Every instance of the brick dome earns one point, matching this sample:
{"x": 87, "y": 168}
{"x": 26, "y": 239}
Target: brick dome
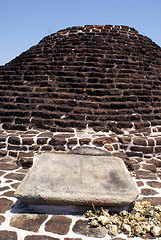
{"x": 105, "y": 76}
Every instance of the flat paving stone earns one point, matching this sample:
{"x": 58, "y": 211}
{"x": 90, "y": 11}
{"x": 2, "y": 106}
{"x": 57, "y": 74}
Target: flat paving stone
{"x": 29, "y": 222}
{"x": 58, "y": 224}
{"x": 82, "y": 227}
{"x": 5, "y": 205}
{"x": 78, "y": 179}
{"x": 8, "y": 235}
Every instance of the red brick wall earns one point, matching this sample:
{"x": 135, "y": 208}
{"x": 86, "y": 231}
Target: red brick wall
{"x": 105, "y": 76}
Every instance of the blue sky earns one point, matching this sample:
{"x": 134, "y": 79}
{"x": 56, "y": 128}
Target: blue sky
{"x": 23, "y": 23}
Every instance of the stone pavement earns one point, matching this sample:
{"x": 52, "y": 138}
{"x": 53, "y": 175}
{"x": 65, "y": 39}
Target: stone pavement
{"x": 18, "y": 222}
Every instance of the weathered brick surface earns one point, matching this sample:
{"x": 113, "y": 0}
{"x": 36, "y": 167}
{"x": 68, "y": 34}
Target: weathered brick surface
{"x": 82, "y": 227}
{"x": 81, "y": 76}
{"x": 28, "y": 222}
{"x": 148, "y": 191}
{"x": 27, "y": 141}
{"x": 58, "y": 224}
{"x": 14, "y": 140}
{"x": 154, "y": 184}
{"x": 5, "y": 204}
{"x": 140, "y": 174}
{"x": 6, "y": 235}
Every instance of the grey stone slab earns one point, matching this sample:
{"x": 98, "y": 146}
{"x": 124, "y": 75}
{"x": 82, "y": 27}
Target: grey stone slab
{"x": 77, "y": 179}
{"x": 92, "y": 151}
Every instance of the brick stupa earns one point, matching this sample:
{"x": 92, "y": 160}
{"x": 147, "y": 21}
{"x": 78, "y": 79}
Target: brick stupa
{"x": 105, "y": 76}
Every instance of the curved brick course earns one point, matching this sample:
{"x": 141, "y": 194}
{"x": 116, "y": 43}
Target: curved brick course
{"x": 104, "y": 76}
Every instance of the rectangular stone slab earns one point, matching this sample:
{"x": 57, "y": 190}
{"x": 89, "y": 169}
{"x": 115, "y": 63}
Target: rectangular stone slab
{"x": 77, "y": 179}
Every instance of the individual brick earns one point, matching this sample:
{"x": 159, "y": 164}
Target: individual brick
{"x": 58, "y": 224}
{"x": 57, "y": 141}
{"x": 72, "y": 141}
{"x": 8, "y": 194}
{"x": 6, "y": 235}
{"x": 14, "y": 140}
{"x": 141, "y": 174}
{"x": 148, "y": 191}
{"x": 41, "y": 141}
{"x": 144, "y": 150}
{"x": 153, "y": 200}
{"x": 150, "y": 142}
{"x": 154, "y": 184}
{"x": 8, "y": 166}
{"x": 140, "y": 184}
{"x": 150, "y": 166}
{"x": 158, "y": 141}
{"x": 124, "y": 140}
{"x": 27, "y": 221}
{"x": 16, "y": 147}
{"x": 103, "y": 140}
{"x": 108, "y": 147}
{"x": 25, "y": 162}
{"x": 59, "y": 148}
{"x": 84, "y": 141}
{"x": 5, "y": 204}
{"x": 3, "y": 153}
{"x": 3, "y": 138}
{"x": 122, "y": 155}
{"x": 34, "y": 148}
{"x": 158, "y": 149}
{"x": 26, "y": 154}
{"x": 13, "y": 153}
{"x": 16, "y": 176}
{"x": 2, "y": 145}
{"x": 27, "y": 141}
{"x": 82, "y": 227}
{"x": 134, "y": 154}
{"x": 116, "y": 146}
{"x": 46, "y": 148}
{"x": 139, "y": 141}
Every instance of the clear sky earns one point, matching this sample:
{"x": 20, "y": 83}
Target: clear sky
{"x": 23, "y": 23}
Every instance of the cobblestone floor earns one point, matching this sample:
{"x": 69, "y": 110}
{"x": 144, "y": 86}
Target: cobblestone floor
{"x": 22, "y": 223}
